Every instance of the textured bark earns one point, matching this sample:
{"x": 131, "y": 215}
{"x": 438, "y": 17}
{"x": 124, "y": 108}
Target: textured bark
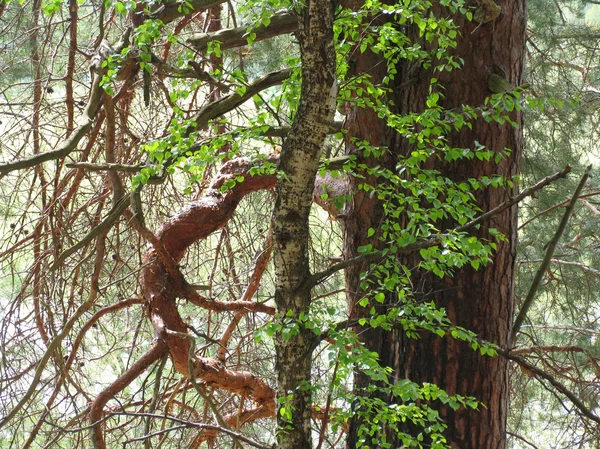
{"x": 160, "y": 289}
{"x": 162, "y": 284}
{"x": 478, "y": 300}
{"x": 298, "y": 166}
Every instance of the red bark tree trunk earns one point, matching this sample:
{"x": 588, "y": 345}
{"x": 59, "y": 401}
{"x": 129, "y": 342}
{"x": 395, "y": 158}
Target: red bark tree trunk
{"x": 482, "y": 300}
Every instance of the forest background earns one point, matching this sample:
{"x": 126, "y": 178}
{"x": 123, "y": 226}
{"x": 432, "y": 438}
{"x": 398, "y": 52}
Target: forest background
{"x": 166, "y": 283}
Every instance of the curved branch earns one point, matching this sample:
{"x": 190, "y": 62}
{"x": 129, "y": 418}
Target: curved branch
{"x": 158, "y": 349}
{"x": 196, "y": 222}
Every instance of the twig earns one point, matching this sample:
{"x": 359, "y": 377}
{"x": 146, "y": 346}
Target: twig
{"x": 111, "y": 218}
{"x": 155, "y": 397}
{"x": 522, "y": 439}
{"x": 70, "y": 143}
{"x": 192, "y": 371}
{"x": 158, "y": 349}
{"x": 197, "y": 425}
{"x": 128, "y": 168}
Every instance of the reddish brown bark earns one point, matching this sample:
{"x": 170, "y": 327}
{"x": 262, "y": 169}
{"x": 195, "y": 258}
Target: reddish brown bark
{"x": 478, "y": 300}
{"x": 197, "y": 221}
{"x": 97, "y": 407}
{"x": 162, "y": 283}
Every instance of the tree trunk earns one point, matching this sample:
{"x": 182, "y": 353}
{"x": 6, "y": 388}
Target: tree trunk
{"x": 298, "y": 166}
{"x": 482, "y": 300}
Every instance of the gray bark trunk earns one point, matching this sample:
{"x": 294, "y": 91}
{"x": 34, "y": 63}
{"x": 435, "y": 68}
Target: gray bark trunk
{"x": 298, "y": 166}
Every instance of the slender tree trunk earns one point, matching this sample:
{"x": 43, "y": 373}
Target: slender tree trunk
{"x": 478, "y": 300}
{"x": 298, "y": 167}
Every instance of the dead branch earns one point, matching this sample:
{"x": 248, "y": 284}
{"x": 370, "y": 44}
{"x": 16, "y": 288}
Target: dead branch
{"x": 158, "y": 349}
{"x": 127, "y": 168}
{"x": 69, "y": 144}
{"x": 259, "y": 268}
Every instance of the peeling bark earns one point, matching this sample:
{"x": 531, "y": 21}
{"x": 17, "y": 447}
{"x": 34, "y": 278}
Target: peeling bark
{"x": 160, "y": 290}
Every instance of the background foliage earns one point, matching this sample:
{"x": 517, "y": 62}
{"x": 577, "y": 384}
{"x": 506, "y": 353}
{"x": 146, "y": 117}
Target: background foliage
{"x": 171, "y": 145}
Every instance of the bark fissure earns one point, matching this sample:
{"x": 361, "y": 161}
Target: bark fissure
{"x": 478, "y": 300}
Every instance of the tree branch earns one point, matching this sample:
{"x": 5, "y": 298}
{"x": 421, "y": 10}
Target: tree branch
{"x": 437, "y": 239}
{"x": 555, "y": 383}
{"x": 551, "y": 246}
{"x": 110, "y": 219}
{"x": 173, "y": 9}
{"x": 128, "y": 168}
{"x": 69, "y": 144}
{"x": 233, "y": 100}
{"x": 158, "y": 349}
{"x": 282, "y": 22}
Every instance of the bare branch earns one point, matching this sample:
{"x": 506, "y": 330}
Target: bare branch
{"x": 70, "y": 144}
{"x": 537, "y": 280}
{"x": 108, "y": 166}
{"x": 555, "y": 383}
{"x": 281, "y": 23}
{"x": 436, "y": 240}
{"x": 158, "y": 349}
{"x": 232, "y": 101}
{"x": 110, "y": 219}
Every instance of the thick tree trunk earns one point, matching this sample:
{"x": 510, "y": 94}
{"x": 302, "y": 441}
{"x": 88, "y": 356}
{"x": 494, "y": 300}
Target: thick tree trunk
{"x": 478, "y": 300}
{"x": 298, "y": 166}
